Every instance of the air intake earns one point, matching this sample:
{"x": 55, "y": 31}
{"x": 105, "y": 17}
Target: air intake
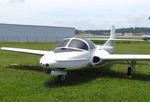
{"x": 96, "y": 59}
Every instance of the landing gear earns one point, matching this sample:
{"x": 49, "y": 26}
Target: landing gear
{"x": 61, "y": 74}
{"x": 130, "y": 72}
{"x": 61, "y": 77}
{"x": 131, "y": 69}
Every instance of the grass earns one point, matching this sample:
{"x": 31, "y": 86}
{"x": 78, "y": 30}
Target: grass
{"x": 27, "y": 83}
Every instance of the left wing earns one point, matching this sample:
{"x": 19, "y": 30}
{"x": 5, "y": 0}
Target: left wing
{"x": 30, "y": 51}
{"x": 124, "y": 57}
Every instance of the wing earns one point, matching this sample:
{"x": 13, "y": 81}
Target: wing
{"x": 30, "y": 51}
{"x": 123, "y": 57}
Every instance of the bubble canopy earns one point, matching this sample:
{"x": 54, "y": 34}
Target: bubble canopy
{"x": 76, "y": 44}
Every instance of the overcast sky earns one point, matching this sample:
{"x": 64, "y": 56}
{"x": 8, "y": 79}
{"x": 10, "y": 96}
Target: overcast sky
{"x": 81, "y": 14}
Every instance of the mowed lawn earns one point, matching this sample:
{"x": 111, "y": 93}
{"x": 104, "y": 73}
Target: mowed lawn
{"x": 28, "y": 82}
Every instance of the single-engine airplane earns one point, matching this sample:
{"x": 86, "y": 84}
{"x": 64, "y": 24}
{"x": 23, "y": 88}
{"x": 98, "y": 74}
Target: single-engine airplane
{"x": 77, "y": 53}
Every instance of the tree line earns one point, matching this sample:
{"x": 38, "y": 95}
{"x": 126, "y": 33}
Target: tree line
{"x": 120, "y": 30}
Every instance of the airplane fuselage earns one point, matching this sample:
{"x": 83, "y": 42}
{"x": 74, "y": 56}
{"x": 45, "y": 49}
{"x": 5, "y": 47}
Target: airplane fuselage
{"x": 66, "y": 60}
{"x": 74, "y": 60}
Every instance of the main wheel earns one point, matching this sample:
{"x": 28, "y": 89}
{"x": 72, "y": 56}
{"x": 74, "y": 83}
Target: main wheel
{"x": 129, "y": 72}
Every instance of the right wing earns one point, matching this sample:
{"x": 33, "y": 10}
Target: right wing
{"x": 29, "y": 51}
{"x": 125, "y": 57}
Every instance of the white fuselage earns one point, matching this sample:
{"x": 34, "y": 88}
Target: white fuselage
{"x": 73, "y": 60}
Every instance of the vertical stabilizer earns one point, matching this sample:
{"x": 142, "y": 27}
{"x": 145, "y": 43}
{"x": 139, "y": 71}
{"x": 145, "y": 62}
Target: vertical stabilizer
{"x": 111, "y": 40}
{"x": 112, "y": 33}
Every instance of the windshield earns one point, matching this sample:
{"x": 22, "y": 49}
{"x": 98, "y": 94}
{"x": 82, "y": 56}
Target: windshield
{"x": 75, "y": 43}
{"x": 60, "y": 50}
{"x": 63, "y": 43}
{"x": 91, "y": 44}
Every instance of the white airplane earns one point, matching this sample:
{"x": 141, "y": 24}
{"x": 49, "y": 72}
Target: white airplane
{"x": 145, "y": 37}
{"x": 76, "y": 53}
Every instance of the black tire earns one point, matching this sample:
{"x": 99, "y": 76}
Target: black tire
{"x": 129, "y": 72}
{"x": 62, "y": 77}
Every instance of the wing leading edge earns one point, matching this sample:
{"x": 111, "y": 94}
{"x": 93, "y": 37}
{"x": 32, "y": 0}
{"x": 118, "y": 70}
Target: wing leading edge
{"x": 29, "y": 51}
{"x": 125, "y": 57}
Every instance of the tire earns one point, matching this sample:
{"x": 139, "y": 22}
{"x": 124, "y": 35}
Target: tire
{"x": 129, "y": 72}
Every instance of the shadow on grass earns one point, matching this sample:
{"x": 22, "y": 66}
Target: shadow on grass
{"x": 83, "y": 75}
{"x": 86, "y": 75}
{"x": 25, "y": 67}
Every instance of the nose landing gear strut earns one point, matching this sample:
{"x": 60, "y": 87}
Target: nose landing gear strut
{"x": 61, "y": 77}
{"x": 61, "y": 74}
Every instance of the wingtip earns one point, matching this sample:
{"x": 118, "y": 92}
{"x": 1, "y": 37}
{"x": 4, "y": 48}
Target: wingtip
{"x": 2, "y": 48}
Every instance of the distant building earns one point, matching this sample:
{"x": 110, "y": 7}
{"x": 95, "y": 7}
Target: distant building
{"x": 124, "y": 34}
{"x": 33, "y": 33}
{"x": 119, "y": 34}
{"x": 128, "y": 34}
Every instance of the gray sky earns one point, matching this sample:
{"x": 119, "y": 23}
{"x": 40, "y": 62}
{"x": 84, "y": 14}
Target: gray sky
{"x": 81, "y": 14}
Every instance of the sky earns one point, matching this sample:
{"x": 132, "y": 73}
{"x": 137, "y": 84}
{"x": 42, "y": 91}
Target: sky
{"x": 81, "y": 14}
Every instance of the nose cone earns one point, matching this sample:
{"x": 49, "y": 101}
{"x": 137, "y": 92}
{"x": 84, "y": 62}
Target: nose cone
{"x": 47, "y": 63}
{"x": 48, "y": 60}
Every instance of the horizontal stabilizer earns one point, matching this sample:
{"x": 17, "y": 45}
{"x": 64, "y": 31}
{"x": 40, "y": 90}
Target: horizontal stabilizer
{"x": 115, "y": 39}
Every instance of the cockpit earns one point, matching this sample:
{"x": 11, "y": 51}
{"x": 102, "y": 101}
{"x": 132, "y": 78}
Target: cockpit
{"x": 74, "y": 44}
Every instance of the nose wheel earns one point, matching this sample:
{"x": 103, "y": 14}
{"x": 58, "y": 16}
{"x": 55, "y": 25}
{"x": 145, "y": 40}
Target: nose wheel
{"x": 62, "y": 77}
{"x": 61, "y": 74}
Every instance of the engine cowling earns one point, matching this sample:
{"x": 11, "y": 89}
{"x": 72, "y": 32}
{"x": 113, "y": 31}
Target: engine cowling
{"x": 96, "y": 60}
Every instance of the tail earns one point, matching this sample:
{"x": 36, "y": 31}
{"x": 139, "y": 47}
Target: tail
{"x": 111, "y": 40}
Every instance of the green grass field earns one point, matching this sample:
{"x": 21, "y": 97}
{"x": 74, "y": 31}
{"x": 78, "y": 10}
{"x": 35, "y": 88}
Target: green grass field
{"x": 28, "y": 83}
